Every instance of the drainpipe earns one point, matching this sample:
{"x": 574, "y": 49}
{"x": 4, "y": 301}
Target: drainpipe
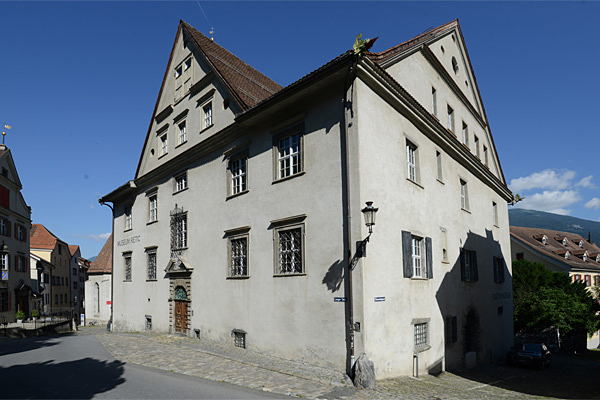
{"x": 112, "y": 269}
{"x": 350, "y": 76}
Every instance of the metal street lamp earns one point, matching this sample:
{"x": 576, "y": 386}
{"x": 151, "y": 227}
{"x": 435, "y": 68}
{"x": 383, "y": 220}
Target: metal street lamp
{"x": 369, "y": 213}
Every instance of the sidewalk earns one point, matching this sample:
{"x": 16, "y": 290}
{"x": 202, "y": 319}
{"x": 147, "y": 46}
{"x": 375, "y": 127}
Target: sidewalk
{"x": 210, "y": 360}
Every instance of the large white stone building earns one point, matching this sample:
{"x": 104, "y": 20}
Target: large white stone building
{"x": 245, "y": 209}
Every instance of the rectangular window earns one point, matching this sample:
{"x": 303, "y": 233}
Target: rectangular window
{"x": 127, "y": 267}
{"x": 417, "y": 250}
{"x": 182, "y": 134}
{"x": 179, "y": 231}
{"x": 434, "y": 101}
{"x": 239, "y": 338}
{"x": 495, "y": 213}
{"x": 187, "y": 75}
{"x": 21, "y": 266}
{"x": 208, "y": 117}
{"x": 451, "y": 329}
{"x": 237, "y": 172}
{"x": 183, "y": 78}
{"x": 238, "y": 256}
{"x": 20, "y": 234}
{"x": 438, "y": 161}
{"x": 596, "y": 280}
{"x": 4, "y": 227}
{"x": 163, "y": 145}
{"x": 289, "y": 248}
{"x": 178, "y": 82}
{"x": 420, "y": 331}
{"x": 55, "y": 299}
{"x": 4, "y": 303}
{"x": 577, "y": 278}
{"x": 451, "y": 119}
{"x": 417, "y": 256}
{"x": 412, "y": 162}
{"x": 464, "y": 195}
{"x": 498, "y": 269}
{"x": 476, "y": 140}
{"x": 4, "y": 262}
{"x": 465, "y": 134}
{"x": 128, "y": 220}
{"x": 148, "y": 326}
{"x": 289, "y": 160}
{"x": 181, "y": 182}
{"x": 520, "y": 256}
{"x": 588, "y": 280}
{"x": 468, "y": 266}
{"x": 153, "y": 208}
{"x": 485, "y": 156}
{"x": 151, "y": 259}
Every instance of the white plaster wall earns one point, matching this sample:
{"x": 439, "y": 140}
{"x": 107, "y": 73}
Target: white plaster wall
{"x": 423, "y": 209}
{"x": 291, "y": 316}
{"x": 101, "y": 315}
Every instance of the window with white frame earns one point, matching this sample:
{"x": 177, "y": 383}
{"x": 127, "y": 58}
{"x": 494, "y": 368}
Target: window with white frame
{"x": 289, "y": 247}
{"x": 151, "y": 266}
{"x": 183, "y": 78}
{"x": 289, "y": 155}
{"x": 465, "y": 134}
{"x": 127, "y": 267}
{"x": 237, "y": 175}
{"x": 412, "y": 161}
{"x": 4, "y": 262}
{"x": 182, "y": 132}
{"x": 417, "y": 256}
{"x": 153, "y": 207}
{"x": 207, "y": 114}
{"x": 187, "y": 75}
{"x": 238, "y": 255}
{"x": 164, "y": 145}
{"x": 4, "y": 227}
{"x": 450, "y": 119}
{"x": 434, "y": 101}
{"x": 181, "y": 182}
{"x": 438, "y": 161}
{"x": 464, "y": 195}
{"x": 468, "y": 264}
{"x": 495, "y": 213}
{"x": 128, "y": 218}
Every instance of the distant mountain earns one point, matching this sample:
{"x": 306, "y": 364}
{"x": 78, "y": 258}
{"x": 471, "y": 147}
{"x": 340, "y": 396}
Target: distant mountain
{"x": 555, "y": 222}
{"x": 92, "y": 259}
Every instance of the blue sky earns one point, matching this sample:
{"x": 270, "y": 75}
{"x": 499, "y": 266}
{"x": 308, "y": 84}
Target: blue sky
{"x": 78, "y": 83}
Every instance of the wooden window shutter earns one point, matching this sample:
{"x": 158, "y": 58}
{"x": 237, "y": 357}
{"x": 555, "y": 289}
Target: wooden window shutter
{"x": 24, "y": 234}
{"x": 429, "y": 257}
{"x": 502, "y": 268}
{"x": 407, "y": 254}
{"x": 463, "y": 275}
{"x": 474, "y": 266}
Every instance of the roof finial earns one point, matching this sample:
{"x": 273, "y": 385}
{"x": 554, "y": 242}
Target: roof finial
{"x": 4, "y": 133}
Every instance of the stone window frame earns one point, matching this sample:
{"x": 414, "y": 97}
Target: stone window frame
{"x": 242, "y": 158}
{"x": 152, "y": 196}
{"x": 278, "y": 137}
{"x": 151, "y": 252}
{"x": 127, "y": 275}
{"x": 128, "y": 217}
{"x": 182, "y": 78}
{"x": 464, "y": 195}
{"x": 176, "y": 182}
{"x": 418, "y": 325}
{"x": 242, "y": 233}
{"x": 286, "y": 225}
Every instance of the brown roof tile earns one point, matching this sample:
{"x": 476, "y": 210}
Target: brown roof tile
{"x": 103, "y": 262}
{"x": 41, "y": 238}
{"x": 246, "y": 83}
{"x": 73, "y": 249}
{"x": 531, "y": 237}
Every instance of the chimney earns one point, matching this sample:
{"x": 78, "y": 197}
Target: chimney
{"x": 590, "y": 238}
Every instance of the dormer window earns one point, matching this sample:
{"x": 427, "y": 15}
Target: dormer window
{"x": 564, "y": 242}
{"x": 544, "y": 240}
{"x": 598, "y": 258}
{"x": 581, "y": 243}
{"x": 567, "y": 255}
{"x": 585, "y": 256}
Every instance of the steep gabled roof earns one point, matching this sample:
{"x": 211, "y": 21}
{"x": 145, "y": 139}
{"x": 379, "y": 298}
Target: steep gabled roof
{"x": 103, "y": 262}
{"x": 41, "y": 238}
{"x": 73, "y": 249}
{"x": 249, "y": 86}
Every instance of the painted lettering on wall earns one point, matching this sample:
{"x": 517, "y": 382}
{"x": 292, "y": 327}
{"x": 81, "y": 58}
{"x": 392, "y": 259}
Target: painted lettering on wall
{"x": 126, "y": 241}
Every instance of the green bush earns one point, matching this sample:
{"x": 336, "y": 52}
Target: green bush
{"x": 35, "y": 314}
{"x": 19, "y": 315}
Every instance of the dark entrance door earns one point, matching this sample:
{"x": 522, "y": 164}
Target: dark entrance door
{"x": 181, "y": 308}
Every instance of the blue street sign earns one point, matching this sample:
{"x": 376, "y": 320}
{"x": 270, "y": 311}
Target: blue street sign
{"x": 379, "y": 299}
{"x": 339, "y": 299}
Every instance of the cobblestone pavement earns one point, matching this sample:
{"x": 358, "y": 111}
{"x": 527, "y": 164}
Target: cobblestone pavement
{"x": 210, "y": 360}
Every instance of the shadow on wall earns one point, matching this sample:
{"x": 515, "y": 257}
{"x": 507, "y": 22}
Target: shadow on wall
{"x": 81, "y": 379}
{"x": 334, "y": 278}
{"x": 471, "y": 289}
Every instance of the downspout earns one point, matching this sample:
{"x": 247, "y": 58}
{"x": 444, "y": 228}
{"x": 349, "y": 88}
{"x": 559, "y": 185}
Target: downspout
{"x": 350, "y": 77}
{"x": 112, "y": 267}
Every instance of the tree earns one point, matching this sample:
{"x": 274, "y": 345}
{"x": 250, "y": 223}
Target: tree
{"x": 544, "y": 299}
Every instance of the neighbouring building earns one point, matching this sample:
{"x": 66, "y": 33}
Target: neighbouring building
{"x": 98, "y": 286}
{"x": 78, "y": 268}
{"x": 246, "y": 205}
{"x": 48, "y": 247}
{"x": 559, "y": 252}
{"x": 15, "y": 222}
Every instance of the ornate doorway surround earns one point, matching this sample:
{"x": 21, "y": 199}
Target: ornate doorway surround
{"x": 180, "y": 290}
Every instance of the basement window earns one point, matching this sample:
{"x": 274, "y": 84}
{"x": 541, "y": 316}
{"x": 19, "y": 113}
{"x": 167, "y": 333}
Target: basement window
{"x": 148, "y": 322}
{"x": 239, "y": 338}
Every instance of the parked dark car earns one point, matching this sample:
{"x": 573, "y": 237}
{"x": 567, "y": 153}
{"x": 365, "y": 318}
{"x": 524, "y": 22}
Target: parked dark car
{"x": 531, "y": 354}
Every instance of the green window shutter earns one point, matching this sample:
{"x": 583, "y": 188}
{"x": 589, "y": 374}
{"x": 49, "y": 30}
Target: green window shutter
{"x": 407, "y": 254}
{"x": 429, "y": 257}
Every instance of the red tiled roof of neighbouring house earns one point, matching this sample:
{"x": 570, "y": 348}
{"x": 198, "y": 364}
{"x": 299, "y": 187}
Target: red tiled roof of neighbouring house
{"x": 103, "y": 262}
{"x": 41, "y": 238}
{"x": 73, "y": 249}
{"x": 554, "y": 247}
{"x": 248, "y": 85}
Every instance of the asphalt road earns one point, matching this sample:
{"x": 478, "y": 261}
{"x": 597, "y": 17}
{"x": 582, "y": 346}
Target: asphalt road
{"x": 69, "y": 366}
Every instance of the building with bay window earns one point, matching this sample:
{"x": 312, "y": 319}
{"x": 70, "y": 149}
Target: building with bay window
{"x": 245, "y": 209}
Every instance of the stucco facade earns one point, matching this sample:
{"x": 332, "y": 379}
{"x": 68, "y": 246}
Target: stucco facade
{"x": 98, "y": 286}
{"x": 253, "y": 247}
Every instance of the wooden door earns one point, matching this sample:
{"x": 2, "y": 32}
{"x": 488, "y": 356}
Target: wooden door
{"x": 180, "y": 316}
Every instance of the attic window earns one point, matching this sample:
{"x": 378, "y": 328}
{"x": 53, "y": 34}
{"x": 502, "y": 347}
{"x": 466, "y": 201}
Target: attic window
{"x": 454, "y": 38}
{"x": 544, "y": 240}
{"x": 4, "y": 172}
{"x": 225, "y": 104}
{"x": 585, "y": 257}
{"x": 564, "y": 242}
{"x": 581, "y": 243}
{"x": 598, "y": 258}
{"x": 454, "y": 65}
{"x": 567, "y": 255}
